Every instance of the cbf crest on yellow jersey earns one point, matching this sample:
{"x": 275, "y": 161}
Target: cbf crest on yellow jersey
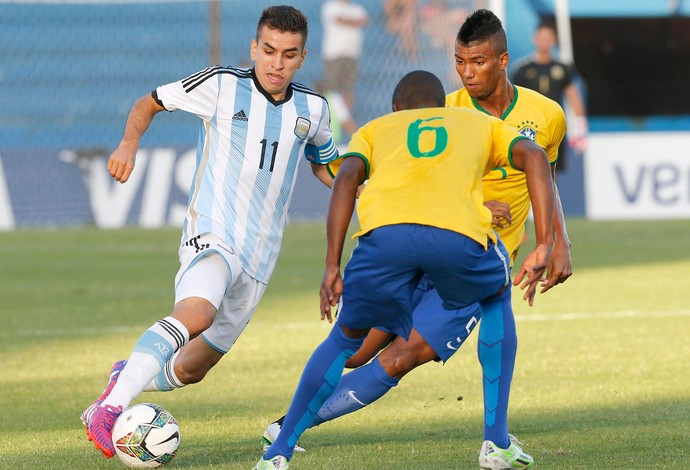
{"x": 425, "y": 167}
{"x": 536, "y": 117}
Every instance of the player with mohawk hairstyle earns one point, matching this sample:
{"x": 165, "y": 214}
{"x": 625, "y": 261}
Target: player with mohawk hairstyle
{"x": 481, "y": 61}
{"x": 421, "y": 216}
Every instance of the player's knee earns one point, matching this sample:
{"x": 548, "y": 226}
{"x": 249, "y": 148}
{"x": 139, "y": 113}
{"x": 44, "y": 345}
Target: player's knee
{"x": 401, "y": 357}
{"x": 398, "y": 362}
{"x": 196, "y": 314}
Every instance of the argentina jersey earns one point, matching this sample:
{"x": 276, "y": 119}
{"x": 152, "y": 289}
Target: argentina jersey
{"x": 248, "y": 155}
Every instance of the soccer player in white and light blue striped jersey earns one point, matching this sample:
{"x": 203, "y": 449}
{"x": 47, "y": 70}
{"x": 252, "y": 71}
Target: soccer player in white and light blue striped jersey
{"x": 256, "y": 125}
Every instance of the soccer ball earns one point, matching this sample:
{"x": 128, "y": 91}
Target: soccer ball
{"x": 146, "y": 436}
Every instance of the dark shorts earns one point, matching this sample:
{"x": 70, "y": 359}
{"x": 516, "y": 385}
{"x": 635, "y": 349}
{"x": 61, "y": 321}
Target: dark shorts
{"x": 388, "y": 263}
{"x": 340, "y": 74}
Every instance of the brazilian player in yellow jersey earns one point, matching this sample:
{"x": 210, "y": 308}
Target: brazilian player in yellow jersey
{"x": 418, "y": 162}
{"x": 424, "y": 189}
{"x": 481, "y": 60}
{"x": 534, "y": 116}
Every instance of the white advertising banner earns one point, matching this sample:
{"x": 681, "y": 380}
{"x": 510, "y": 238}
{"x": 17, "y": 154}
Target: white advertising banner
{"x": 642, "y": 175}
{"x": 6, "y": 214}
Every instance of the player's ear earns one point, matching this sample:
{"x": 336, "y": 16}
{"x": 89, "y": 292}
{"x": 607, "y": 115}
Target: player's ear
{"x": 303, "y": 56}
{"x": 253, "y": 49}
{"x": 503, "y": 60}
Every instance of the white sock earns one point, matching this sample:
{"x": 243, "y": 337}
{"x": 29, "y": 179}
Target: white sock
{"x": 151, "y": 352}
{"x": 166, "y": 379}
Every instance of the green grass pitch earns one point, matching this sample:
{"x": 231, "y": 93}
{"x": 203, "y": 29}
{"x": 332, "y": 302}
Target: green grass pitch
{"x": 602, "y": 379}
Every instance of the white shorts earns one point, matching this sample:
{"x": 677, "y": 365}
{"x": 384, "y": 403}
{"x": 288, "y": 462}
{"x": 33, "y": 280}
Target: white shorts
{"x": 211, "y": 270}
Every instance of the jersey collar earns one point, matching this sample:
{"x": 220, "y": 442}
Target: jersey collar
{"x": 508, "y": 109}
{"x": 267, "y": 95}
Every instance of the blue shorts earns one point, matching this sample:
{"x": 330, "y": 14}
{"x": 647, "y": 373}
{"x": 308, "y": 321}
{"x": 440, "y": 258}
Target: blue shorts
{"x": 388, "y": 263}
{"x": 445, "y": 330}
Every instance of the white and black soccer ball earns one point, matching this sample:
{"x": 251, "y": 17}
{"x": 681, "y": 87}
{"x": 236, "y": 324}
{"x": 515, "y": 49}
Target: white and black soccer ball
{"x": 146, "y": 436}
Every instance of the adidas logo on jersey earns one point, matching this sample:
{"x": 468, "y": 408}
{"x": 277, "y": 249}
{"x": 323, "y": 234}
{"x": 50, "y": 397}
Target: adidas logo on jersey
{"x": 240, "y": 116}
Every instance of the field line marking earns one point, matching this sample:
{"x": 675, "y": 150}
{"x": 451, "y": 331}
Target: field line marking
{"x": 602, "y": 315}
{"x": 77, "y": 331}
{"x": 299, "y": 325}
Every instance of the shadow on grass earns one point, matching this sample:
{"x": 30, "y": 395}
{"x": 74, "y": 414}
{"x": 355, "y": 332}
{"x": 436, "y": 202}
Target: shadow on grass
{"x": 645, "y": 435}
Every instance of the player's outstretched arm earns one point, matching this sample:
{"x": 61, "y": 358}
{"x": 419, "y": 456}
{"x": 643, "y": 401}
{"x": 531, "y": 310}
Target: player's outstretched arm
{"x": 351, "y": 174}
{"x": 560, "y": 266}
{"x": 121, "y": 161}
{"x": 532, "y": 159}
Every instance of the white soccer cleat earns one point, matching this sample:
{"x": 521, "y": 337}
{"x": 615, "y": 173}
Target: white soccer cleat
{"x": 276, "y": 463}
{"x": 492, "y": 457}
{"x": 271, "y": 434}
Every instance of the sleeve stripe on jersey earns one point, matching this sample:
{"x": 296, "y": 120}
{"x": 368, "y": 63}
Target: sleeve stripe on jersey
{"x": 198, "y": 78}
{"x": 327, "y": 152}
{"x": 510, "y": 149}
{"x": 194, "y": 76}
{"x": 364, "y": 159}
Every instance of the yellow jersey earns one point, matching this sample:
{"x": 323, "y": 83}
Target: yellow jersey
{"x": 425, "y": 166}
{"x": 541, "y": 120}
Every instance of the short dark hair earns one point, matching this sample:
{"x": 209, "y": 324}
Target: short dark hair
{"x": 284, "y": 18}
{"x": 419, "y": 89}
{"x": 547, "y": 24}
{"x": 481, "y": 26}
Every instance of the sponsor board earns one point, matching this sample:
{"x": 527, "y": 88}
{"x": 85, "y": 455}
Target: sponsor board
{"x": 54, "y": 188}
{"x": 637, "y": 176}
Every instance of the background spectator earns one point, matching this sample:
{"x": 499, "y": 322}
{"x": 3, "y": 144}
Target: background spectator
{"x": 401, "y": 20}
{"x": 440, "y": 20}
{"x": 343, "y": 23}
{"x": 542, "y": 72}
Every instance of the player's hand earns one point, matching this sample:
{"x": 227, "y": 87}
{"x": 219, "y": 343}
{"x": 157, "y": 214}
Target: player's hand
{"x": 360, "y": 188}
{"x": 560, "y": 267}
{"x": 500, "y": 213}
{"x": 121, "y": 163}
{"x": 533, "y": 267}
{"x": 331, "y": 290}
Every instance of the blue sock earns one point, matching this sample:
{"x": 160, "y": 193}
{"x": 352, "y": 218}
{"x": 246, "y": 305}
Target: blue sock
{"x": 356, "y": 390}
{"x": 497, "y": 349}
{"x": 320, "y": 377}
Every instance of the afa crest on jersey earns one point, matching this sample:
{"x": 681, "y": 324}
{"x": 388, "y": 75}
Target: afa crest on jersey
{"x": 528, "y": 129}
{"x": 302, "y": 126}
